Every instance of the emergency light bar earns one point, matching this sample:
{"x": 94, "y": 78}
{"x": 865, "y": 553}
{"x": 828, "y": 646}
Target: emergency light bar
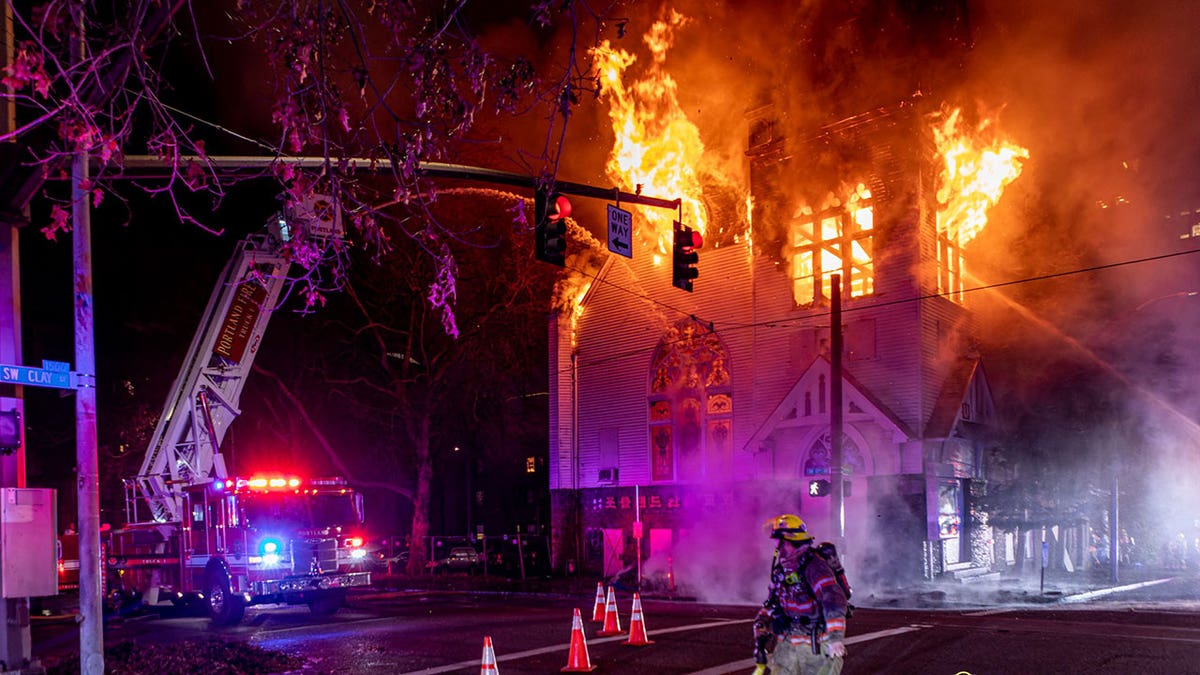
{"x": 274, "y": 483}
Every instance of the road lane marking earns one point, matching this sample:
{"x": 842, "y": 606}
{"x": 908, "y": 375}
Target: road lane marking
{"x": 748, "y": 664}
{"x": 558, "y": 648}
{"x": 1083, "y": 597}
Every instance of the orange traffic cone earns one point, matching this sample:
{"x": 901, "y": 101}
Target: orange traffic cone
{"x": 612, "y": 622}
{"x": 598, "y": 610}
{"x": 488, "y": 667}
{"x": 577, "y": 660}
{"x": 637, "y": 625}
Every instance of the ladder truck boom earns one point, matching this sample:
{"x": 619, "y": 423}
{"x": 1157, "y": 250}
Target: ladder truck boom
{"x": 193, "y": 532}
{"x": 204, "y": 399}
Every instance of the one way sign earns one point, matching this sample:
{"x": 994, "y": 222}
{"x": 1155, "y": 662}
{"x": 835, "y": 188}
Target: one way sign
{"x": 620, "y": 231}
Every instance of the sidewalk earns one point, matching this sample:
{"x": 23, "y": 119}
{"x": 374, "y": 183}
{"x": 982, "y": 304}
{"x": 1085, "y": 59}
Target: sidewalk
{"x": 1028, "y": 589}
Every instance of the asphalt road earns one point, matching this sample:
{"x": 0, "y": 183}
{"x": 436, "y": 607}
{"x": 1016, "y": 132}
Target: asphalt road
{"x": 1151, "y": 630}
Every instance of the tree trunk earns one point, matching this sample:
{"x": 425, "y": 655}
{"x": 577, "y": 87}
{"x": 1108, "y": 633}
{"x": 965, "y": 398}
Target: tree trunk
{"x": 420, "y": 518}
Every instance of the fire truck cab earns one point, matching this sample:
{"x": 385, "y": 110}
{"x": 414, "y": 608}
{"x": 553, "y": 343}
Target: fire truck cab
{"x": 248, "y": 541}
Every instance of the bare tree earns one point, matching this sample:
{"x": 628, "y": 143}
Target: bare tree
{"x": 367, "y": 88}
{"x": 382, "y": 365}
{"x": 366, "y": 91}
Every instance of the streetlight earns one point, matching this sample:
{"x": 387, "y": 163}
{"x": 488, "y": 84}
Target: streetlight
{"x": 467, "y": 471}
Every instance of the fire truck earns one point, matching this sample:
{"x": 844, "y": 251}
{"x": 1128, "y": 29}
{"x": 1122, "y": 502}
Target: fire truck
{"x": 194, "y": 533}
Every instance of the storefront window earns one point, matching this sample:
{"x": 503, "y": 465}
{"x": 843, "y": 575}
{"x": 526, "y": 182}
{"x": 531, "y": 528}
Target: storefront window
{"x": 949, "y": 510}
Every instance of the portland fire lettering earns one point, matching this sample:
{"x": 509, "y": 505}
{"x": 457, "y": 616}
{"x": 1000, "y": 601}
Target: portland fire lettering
{"x": 239, "y": 321}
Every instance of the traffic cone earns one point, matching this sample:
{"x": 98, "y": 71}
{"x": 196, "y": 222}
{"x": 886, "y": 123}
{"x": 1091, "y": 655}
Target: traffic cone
{"x": 598, "y": 610}
{"x": 577, "y": 660}
{"x": 488, "y": 666}
{"x": 637, "y": 625}
{"x": 612, "y": 622}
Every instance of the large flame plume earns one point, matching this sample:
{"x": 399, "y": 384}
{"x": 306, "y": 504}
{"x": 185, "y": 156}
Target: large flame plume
{"x": 977, "y": 164}
{"x": 656, "y": 148}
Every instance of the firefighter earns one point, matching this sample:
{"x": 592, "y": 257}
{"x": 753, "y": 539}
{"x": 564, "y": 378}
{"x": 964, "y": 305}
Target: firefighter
{"x": 805, "y": 611}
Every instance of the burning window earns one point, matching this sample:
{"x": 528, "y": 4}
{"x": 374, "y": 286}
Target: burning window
{"x": 950, "y": 264}
{"x": 976, "y": 165}
{"x": 836, "y": 240}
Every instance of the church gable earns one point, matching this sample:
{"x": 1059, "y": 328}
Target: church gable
{"x": 807, "y": 404}
{"x": 965, "y": 402}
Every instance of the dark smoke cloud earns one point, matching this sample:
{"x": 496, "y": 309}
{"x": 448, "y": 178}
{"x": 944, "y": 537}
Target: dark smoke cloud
{"x": 1102, "y": 93}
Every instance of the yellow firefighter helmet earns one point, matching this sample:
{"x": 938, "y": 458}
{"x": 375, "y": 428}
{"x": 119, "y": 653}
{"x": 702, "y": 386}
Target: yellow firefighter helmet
{"x": 789, "y": 526}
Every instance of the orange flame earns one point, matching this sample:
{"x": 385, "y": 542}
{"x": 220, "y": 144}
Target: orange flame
{"x": 656, "y": 147}
{"x": 977, "y": 167}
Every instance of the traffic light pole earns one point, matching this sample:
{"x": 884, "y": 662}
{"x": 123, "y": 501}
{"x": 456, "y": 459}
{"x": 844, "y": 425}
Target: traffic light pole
{"x": 146, "y": 166}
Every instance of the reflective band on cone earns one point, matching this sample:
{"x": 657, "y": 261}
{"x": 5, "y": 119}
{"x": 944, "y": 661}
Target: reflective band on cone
{"x": 598, "y": 609}
{"x": 612, "y": 622}
{"x": 577, "y": 660}
{"x": 488, "y": 666}
{"x": 637, "y": 625}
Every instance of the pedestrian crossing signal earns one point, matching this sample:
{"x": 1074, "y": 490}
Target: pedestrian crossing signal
{"x": 822, "y": 488}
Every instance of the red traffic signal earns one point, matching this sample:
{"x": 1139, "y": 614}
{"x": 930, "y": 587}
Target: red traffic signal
{"x": 550, "y": 228}
{"x": 684, "y": 257}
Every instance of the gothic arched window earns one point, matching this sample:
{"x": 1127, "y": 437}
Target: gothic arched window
{"x": 691, "y": 405}
{"x": 816, "y": 462}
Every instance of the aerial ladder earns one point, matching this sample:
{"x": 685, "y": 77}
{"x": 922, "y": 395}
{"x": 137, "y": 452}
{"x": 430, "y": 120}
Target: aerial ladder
{"x": 204, "y": 399}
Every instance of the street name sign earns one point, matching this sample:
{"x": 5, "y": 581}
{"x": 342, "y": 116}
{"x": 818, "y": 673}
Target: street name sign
{"x": 620, "y": 231}
{"x": 54, "y": 374}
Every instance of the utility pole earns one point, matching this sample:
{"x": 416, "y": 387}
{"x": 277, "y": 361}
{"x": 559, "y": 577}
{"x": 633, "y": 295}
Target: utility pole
{"x": 837, "y": 505}
{"x": 87, "y": 461}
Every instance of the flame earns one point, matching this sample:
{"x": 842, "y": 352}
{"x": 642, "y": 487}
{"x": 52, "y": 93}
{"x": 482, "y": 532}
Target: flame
{"x": 977, "y": 167}
{"x": 656, "y": 147}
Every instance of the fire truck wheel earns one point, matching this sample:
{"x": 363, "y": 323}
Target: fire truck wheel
{"x": 224, "y": 608}
{"x": 327, "y": 604}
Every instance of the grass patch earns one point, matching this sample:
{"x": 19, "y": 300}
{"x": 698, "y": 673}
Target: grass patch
{"x": 208, "y": 657}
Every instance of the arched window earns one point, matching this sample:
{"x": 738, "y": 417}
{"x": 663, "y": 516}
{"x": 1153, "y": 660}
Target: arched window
{"x": 816, "y": 462}
{"x": 691, "y": 405}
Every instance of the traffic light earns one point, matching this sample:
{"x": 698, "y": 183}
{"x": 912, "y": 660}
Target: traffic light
{"x": 550, "y": 211}
{"x": 684, "y": 257}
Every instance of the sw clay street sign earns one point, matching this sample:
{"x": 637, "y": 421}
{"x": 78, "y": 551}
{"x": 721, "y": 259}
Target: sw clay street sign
{"x": 54, "y": 374}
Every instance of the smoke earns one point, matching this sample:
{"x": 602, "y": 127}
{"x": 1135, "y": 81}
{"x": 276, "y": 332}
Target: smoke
{"x": 1099, "y": 92}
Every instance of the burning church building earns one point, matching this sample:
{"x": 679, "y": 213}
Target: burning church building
{"x": 680, "y": 421}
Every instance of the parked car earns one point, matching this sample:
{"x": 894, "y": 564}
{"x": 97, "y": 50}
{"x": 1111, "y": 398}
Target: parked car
{"x": 461, "y": 559}
{"x": 384, "y": 562}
